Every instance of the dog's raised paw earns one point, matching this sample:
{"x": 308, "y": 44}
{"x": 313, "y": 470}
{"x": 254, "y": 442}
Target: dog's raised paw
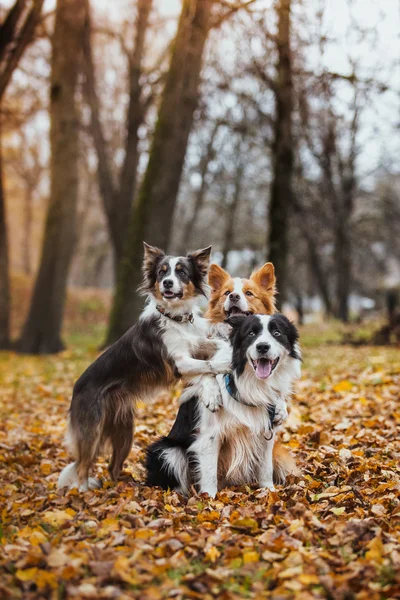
{"x": 213, "y": 404}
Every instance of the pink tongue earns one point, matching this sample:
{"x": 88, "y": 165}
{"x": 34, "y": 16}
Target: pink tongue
{"x": 263, "y": 368}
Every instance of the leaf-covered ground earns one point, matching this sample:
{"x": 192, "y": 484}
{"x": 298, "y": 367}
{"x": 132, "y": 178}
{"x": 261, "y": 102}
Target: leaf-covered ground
{"x": 334, "y": 533}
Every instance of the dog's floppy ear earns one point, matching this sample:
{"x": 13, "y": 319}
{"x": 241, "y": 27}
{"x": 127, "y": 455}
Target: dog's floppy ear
{"x": 151, "y": 254}
{"x": 265, "y": 277}
{"x": 217, "y": 277}
{"x": 201, "y": 258}
{"x": 235, "y": 321}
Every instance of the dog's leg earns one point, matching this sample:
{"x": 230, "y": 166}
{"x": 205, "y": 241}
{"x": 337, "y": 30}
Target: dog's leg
{"x": 266, "y": 470}
{"x": 85, "y": 449}
{"x": 220, "y": 363}
{"x": 206, "y": 451}
{"x": 121, "y": 441}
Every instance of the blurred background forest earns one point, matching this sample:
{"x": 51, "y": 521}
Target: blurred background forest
{"x": 267, "y": 128}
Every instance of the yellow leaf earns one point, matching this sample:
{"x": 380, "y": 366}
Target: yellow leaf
{"x": 375, "y": 550}
{"x": 208, "y": 516}
{"x": 26, "y": 574}
{"x": 250, "y": 556}
{"x": 44, "y": 579}
{"x": 124, "y": 571}
{"x": 343, "y": 386}
{"x": 306, "y": 579}
{"x": 110, "y": 525}
{"x": 144, "y": 534}
{"x": 37, "y": 538}
{"x": 58, "y": 517}
{"x": 338, "y": 511}
{"x": 46, "y": 467}
{"x": 212, "y": 554}
{"x": 246, "y": 523}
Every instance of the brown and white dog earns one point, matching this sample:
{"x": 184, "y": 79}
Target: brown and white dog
{"x": 162, "y": 346}
{"x": 232, "y": 296}
{"x": 237, "y": 296}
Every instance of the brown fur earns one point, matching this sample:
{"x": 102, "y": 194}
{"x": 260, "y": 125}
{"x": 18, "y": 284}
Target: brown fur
{"x": 262, "y": 284}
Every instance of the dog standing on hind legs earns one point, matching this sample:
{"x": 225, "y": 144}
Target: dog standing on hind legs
{"x": 159, "y": 349}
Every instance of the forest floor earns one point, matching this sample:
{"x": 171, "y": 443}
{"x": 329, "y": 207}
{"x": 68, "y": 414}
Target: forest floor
{"x": 333, "y": 533}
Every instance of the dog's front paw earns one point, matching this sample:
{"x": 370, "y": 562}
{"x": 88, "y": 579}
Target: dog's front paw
{"x": 210, "y": 394}
{"x": 267, "y": 485}
{"x": 210, "y": 490}
{"x": 213, "y": 402}
{"x": 281, "y": 414}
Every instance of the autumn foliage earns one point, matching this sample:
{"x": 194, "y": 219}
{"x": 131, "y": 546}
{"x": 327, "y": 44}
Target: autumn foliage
{"x": 334, "y": 533}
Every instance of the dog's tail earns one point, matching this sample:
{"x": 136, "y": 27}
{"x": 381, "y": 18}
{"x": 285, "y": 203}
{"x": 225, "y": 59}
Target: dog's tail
{"x": 284, "y": 464}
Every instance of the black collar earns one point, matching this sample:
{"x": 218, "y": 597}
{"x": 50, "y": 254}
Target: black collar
{"x": 187, "y": 317}
{"x": 233, "y": 392}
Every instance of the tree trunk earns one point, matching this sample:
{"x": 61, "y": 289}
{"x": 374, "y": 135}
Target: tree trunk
{"x": 343, "y": 268}
{"x": 16, "y": 33}
{"x": 27, "y": 241}
{"x": 42, "y": 330}
{"x": 118, "y": 197}
{"x": 231, "y": 217}
{"x": 315, "y": 262}
{"x": 282, "y": 153}
{"x": 153, "y": 212}
{"x": 4, "y": 275}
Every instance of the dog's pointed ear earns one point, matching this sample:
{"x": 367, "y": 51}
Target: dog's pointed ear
{"x": 151, "y": 255}
{"x": 201, "y": 258}
{"x": 217, "y": 276}
{"x": 236, "y": 321}
{"x": 265, "y": 277}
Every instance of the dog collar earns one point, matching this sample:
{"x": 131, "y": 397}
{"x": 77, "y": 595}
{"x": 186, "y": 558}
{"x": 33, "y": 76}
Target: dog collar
{"x": 233, "y": 392}
{"x": 187, "y": 317}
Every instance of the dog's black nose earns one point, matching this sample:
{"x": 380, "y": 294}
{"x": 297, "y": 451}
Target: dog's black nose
{"x": 263, "y": 348}
{"x": 234, "y": 297}
{"x": 168, "y": 284}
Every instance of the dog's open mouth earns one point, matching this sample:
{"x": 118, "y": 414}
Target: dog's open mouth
{"x": 168, "y": 295}
{"x": 264, "y": 367}
{"x": 235, "y": 310}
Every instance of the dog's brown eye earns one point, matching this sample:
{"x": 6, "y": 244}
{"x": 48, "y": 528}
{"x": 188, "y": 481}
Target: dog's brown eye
{"x": 227, "y": 293}
{"x": 251, "y": 333}
{"x": 248, "y": 293}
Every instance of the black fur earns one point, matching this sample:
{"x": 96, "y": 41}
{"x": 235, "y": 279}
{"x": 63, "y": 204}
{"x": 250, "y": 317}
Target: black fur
{"x": 288, "y": 333}
{"x": 182, "y": 435}
{"x": 245, "y": 329}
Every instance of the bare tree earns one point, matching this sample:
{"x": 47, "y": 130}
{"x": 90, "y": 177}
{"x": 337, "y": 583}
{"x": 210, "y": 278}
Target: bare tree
{"x": 42, "y": 330}
{"x": 16, "y": 33}
{"x": 232, "y": 208}
{"x": 203, "y": 170}
{"x": 283, "y": 159}
{"x": 118, "y": 197}
{"x": 152, "y": 216}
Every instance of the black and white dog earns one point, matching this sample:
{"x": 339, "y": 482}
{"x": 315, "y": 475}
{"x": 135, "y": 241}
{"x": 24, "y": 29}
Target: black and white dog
{"x": 234, "y": 445}
{"x": 169, "y": 341}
